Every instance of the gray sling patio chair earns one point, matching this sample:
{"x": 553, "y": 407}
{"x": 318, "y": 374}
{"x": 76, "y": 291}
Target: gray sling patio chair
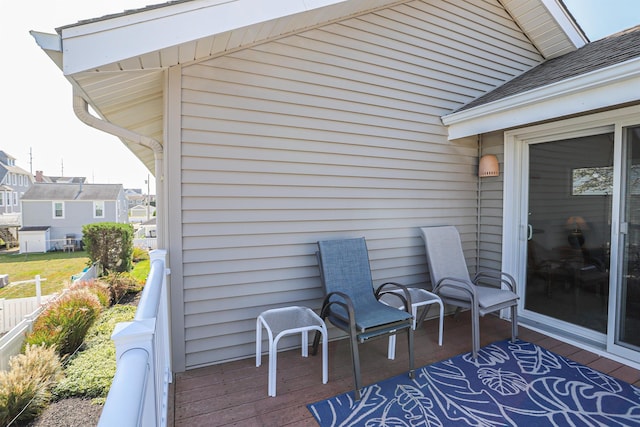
{"x": 483, "y": 294}
{"x": 351, "y": 304}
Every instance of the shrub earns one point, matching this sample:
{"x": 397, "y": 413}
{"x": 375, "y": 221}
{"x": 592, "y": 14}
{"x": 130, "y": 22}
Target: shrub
{"x": 25, "y": 389}
{"x": 102, "y": 329}
{"x": 65, "y": 321}
{"x": 96, "y": 287}
{"x": 139, "y": 254}
{"x": 90, "y": 373}
{"x": 110, "y": 244}
{"x": 122, "y": 283}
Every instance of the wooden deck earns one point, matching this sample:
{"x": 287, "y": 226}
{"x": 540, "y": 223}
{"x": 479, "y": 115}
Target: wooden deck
{"x": 235, "y": 393}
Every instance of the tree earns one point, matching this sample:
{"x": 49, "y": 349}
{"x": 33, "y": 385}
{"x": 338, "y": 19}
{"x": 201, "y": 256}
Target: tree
{"x": 110, "y": 244}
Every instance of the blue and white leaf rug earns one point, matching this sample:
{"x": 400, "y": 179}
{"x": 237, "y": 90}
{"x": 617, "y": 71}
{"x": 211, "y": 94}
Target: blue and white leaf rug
{"x": 510, "y": 384}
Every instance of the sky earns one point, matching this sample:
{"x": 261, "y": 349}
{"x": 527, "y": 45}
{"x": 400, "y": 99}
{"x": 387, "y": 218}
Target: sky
{"x": 40, "y": 129}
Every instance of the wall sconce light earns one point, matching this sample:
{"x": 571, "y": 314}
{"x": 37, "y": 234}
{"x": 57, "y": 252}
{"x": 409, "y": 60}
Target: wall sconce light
{"x": 488, "y": 166}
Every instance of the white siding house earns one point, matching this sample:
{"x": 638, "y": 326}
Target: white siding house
{"x": 270, "y": 128}
{"x": 60, "y": 211}
{"x": 14, "y": 181}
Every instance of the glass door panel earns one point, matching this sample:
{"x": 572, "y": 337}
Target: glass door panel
{"x": 570, "y": 187}
{"x": 628, "y": 300}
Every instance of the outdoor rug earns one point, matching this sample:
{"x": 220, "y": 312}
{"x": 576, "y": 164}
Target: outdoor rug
{"x": 510, "y": 384}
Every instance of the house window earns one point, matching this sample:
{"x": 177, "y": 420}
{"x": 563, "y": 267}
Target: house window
{"x": 58, "y": 209}
{"x": 15, "y": 179}
{"x": 98, "y": 209}
{"x": 15, "y": 198}
{"x": 2, "y": 198}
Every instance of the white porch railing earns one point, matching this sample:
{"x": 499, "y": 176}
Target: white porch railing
{"x": 17, "y": 317}
{"x": 140, "y": 389}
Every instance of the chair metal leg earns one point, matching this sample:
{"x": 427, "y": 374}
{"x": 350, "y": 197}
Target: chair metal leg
{"x": 514, "y": 323}
{"x": 475, "y": 330}
{"x": 355, "y": 355}
{"x": 412, "y": 372}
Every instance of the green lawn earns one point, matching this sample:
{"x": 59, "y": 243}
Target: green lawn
{"x": 56, "y": 267}
{"x": 141, "y": 269}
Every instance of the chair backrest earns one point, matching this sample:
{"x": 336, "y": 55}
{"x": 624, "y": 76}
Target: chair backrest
{"x": 344, "y": 266}
{"x": 444, "y": 253}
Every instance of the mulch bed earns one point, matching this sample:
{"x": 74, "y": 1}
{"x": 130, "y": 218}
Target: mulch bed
{"x": 76, "y": 412}
{"x": 72, "y": 412}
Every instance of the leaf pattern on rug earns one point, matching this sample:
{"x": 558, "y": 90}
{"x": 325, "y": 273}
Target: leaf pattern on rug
{"x": 511, "y": 384}
{"x": 533, "y": 359}
{"x": 453, "y": 393}
{"x": 567, "y": 401}
{"x": 488, "y": 356}
{"x": 386, "y": 420}
{"x": 598, "y": 378}
{"x": 504, "y": 382}
{"x": 416, "y": 406}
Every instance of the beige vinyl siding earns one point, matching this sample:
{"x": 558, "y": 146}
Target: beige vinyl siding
{"x": 490, "y": 201}
{"x": 331, "y": 133}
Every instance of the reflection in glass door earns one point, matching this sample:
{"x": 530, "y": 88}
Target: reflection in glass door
{"x": 569, "y": 221}
{"x": 628, "y": 301}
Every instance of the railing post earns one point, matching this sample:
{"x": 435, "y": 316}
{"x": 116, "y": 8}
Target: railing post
{"x": 143, "y": 342}
{"x": 139, "y": 335}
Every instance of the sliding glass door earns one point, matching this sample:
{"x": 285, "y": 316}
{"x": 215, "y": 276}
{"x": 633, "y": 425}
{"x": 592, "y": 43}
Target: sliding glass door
{"x": 627, "y": 300}
{"x": 568, "y": 235}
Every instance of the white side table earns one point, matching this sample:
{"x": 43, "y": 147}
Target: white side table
{"x": 286, "y": 321}
{"x": 419, "y": 297}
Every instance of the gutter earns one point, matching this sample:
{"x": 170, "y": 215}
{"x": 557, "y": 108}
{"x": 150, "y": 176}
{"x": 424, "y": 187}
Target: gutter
{"x": 597, "y": 89}
{"x": 81, "y": 110}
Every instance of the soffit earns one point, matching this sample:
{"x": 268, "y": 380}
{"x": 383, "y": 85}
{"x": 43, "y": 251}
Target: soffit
{"x": 548, "y": 25}
{"x": 125, "y": 85}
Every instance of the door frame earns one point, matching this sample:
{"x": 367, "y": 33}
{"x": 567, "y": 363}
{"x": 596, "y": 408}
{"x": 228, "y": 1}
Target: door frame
{"x": 515, "y": 210}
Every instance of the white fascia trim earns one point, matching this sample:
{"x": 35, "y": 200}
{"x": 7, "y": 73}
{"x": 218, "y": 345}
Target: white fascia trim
{"x": 91, "y": 45}
{"x": 601, "y": 88}
{"x": 567, "y": 24}
{"x": 51, "y": 44}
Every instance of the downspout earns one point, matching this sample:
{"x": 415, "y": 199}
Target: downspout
{"x": 479, "y": 207}
{"x": 81, "y": 110}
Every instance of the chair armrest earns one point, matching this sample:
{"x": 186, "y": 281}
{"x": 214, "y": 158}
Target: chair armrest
{"x": 345, "y": 303}
{"x": 499, "y": 277}
{"x": 459, "y": 284}
{"x": 405, "y": 296}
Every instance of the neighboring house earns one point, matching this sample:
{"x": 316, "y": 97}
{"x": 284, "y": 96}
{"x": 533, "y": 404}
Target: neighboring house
{"x": 134, "y": 197}
{"x": 147, "y": 229}
{"x": 140, "y": 213}
{"x": 14, "y": 181}
{"x": 40, "y": 177}
{"x": 269, "y": 128}
{"x": 53, "y": 214}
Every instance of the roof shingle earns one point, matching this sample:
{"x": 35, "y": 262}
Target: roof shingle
{"x": 50, "y": 191}
{"x": 611, "y": 50}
